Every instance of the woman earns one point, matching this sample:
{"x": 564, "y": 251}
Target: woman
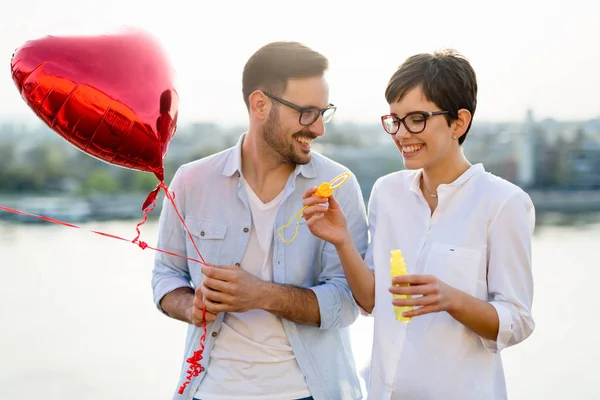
{"x": 465, "y": 235}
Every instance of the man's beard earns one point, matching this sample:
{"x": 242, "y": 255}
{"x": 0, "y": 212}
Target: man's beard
{"x": 283, "y": 146}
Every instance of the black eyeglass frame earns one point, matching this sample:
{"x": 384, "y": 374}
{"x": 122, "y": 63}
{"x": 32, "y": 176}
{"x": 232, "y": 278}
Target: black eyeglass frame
{"x": 320, "y": 111}
{"x": 426, "y": 115}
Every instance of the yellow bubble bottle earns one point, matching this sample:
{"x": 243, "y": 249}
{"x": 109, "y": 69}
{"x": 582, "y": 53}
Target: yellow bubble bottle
{"x": 398, "y": 268}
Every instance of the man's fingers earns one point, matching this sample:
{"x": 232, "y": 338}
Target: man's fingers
{"x": 216, "y": 308}
{"x": 226, "y": 267}
{"x": 197, "y": 317}
{"x": 197, "y": 309}
{"x": 214, "y": 295}
{"x": 210, "y": 317}
{"x": 199, "y": 295}
{"x": 217, "y": 285}
{"x": 223, "y": 273}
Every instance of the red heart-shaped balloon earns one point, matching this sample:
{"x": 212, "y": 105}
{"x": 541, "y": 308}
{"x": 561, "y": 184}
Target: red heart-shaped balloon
{"x": 110, "y": 95}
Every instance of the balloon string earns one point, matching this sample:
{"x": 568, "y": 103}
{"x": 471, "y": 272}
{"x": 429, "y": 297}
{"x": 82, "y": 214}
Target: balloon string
{"x": 143, "y": 245}
{"x": 146, "y": 211}
{"x": 171, "y": 197}
{"x": 195, "y": 366}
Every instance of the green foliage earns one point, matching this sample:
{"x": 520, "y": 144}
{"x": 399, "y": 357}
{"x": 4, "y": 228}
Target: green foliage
{"x": 44, "y": 163}
{"x": 99, "y": 181}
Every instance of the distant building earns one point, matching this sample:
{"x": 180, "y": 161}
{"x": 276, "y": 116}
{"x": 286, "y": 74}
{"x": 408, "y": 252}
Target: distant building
{"x": 585, "y": 165}
{"x": 525, "y": 152}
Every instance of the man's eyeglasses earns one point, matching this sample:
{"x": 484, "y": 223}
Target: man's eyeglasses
{"x": 414, "y": 122}
{"x": 308, "y": 115}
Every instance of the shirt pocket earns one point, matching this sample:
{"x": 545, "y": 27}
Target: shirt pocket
{"x": 455, "y": 265}
{"x": 209, "y": 237}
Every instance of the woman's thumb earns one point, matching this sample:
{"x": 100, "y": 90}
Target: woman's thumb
{"x": 333, "y": 203}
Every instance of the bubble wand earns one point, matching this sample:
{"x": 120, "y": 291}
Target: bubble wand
{"x": 325, "y": 189}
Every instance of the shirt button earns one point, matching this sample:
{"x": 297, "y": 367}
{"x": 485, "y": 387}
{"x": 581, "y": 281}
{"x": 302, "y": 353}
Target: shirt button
{"x": 246, "y": 230}
{"x": 202, "y": 233}
{"x": 214, "y": 334}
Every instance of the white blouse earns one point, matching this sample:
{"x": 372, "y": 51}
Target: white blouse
{"x": 478, "y": 240}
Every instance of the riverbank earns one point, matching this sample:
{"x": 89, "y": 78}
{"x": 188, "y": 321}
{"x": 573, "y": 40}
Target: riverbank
{"x": 129, "y": 206}
{"x": 576, "y": 201}
{"x": 77, "y": 209}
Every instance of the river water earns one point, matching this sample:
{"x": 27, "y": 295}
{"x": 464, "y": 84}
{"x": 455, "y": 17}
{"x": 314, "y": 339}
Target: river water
{"x": 78, "y": 320}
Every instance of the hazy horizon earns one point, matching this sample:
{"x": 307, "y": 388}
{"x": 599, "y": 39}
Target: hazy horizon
{"x": 527, "y": 55}
{"x": 32, "y": 121}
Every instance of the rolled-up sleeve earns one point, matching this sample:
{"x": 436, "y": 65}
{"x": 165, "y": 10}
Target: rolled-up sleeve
{"x": 510, "y": 277}
{"x": 171, "y": 272}
{"x": 336, "y": 303}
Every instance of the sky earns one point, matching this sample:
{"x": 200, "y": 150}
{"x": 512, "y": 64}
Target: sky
{"x": 533, "y": 54}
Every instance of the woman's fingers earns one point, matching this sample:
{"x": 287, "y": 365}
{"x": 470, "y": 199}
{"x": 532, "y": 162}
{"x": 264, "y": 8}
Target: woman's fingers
{"x": 312, "y": 210}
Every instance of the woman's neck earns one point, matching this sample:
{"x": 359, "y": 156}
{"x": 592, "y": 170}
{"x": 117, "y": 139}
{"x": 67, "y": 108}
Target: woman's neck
{"x": 444, "y": 172}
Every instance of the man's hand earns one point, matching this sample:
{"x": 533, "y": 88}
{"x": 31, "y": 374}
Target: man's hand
{"x": 185, "y": 305}
{"x": 228, "y": 288}
{"x": 196, "y": 314}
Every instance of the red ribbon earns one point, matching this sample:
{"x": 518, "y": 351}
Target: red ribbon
{"x": 195, "y": 367}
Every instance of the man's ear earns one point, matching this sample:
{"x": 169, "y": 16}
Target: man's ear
{"x": 260, "y": 105}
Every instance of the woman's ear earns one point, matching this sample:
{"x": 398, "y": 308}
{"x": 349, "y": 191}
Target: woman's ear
{"x": 460, "y": 125}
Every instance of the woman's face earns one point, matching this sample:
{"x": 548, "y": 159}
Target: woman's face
{"x": 431, "y": 146}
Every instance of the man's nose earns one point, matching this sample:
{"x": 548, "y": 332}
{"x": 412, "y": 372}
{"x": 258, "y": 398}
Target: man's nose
{"x": 318, "y": 127}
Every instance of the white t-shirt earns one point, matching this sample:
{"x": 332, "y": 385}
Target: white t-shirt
{"x": 478, "y": 240}
{"x": 252, "y": 358}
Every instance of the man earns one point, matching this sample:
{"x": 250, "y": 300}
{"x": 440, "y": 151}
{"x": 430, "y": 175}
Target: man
{"x": 278, "y": 312}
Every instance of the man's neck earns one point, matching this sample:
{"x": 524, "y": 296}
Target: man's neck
{"x": 264, "y": 170}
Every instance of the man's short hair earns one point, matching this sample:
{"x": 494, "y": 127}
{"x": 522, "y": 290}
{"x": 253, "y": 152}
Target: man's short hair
{"x": 271, "y": 66}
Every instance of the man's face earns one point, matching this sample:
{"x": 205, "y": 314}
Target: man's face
{"x": 283, "y": 132}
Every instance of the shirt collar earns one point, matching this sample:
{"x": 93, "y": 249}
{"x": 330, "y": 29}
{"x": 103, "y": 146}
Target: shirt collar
{"x": 415, "y": 185}
{"x": 234, "y": 162}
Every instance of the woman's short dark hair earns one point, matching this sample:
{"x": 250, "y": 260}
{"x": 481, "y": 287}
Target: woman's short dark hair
{"x": 445, "y": 77}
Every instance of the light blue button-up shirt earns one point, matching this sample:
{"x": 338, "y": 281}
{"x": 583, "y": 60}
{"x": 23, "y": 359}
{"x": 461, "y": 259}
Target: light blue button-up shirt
{"x": 211, "y": 199}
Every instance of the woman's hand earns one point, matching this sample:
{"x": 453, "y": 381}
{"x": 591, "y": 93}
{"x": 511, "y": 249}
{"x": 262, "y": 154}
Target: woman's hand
{"x": 479, "y": 316}
{"x": 436, "y": 295}
{"x": 325, "y": 218}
